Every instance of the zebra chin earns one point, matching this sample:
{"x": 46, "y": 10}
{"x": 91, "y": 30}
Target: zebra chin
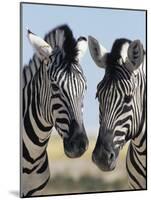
{"x": 75, "y": 148}
{"x": 74, "y": 154}
{"x": 105, "y": 159}
{"x": 104, "y": 165}
{"x": 77, "y": 143}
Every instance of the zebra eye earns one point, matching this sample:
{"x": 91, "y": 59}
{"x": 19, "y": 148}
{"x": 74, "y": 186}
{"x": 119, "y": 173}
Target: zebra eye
{"x": 127, "y": 98}
{"x": 54, "y": 87}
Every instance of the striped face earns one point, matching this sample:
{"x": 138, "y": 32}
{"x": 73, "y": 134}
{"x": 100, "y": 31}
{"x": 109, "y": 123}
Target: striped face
{"x": 63, "y": 85}
{"x": 68, "y": 86}
{"x": 116, "y": 99}
{"x": 118, "y": 95}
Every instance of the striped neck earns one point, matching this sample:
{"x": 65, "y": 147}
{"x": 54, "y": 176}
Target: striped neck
{"x": 42, "y": 90}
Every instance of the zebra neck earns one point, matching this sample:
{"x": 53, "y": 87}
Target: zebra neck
{"x": 136, "y": 165}
{"x": 138, "y": 142}
{"x": 139, "y": 138}
{"x": 136, "y": 157}
{"x": 35, "y": 135}
{"x": 43, "y": 95}
{"x": 139, "y": 107}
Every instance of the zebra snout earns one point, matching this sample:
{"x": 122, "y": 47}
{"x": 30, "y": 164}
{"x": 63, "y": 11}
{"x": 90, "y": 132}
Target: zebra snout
{"x": 80, "y": 142}
{"x": 75, "y": 148}
{"x": 110, "y": 156}
{"x": 77, "y": 143}
{"x": 105, "y": 159}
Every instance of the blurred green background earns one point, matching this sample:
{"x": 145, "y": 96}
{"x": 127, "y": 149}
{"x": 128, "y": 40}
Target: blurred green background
{"x": 81, "y": 175}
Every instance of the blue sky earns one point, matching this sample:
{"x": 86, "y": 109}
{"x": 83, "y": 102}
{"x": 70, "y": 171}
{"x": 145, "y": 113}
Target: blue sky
{"x": 104, "y": 24}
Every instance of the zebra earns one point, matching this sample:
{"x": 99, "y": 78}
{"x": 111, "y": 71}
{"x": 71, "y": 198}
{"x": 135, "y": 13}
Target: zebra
{"x": 52, "y": 96}
{"x": 122, "y": 108}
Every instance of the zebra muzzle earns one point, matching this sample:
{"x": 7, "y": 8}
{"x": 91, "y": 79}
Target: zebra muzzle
{"x": 76, "y": 144}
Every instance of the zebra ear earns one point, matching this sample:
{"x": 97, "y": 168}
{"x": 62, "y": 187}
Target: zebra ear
{"x": 82, "y": 46}
{"x": 135, "y": 54}
{"x": 97, "y": 51}
{"x": 43, "y": 49}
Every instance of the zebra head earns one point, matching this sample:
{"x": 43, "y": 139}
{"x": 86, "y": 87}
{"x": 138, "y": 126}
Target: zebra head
{"x": 61, "y": 52}
{"x": 116, "y": 93}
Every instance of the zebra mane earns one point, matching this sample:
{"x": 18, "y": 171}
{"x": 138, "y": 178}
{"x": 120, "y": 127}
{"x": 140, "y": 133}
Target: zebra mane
{"x": 30, "y": 69}
{"x": 63, "y": 38}
{"x": 115, "y": 51}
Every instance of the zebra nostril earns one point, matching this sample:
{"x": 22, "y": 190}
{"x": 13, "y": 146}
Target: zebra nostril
{"x": 111, "y": 156}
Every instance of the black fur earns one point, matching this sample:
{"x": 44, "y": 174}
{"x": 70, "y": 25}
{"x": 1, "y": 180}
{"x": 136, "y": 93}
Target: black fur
{"x": 114, "y": 55}
{"x": 69, "y": 44}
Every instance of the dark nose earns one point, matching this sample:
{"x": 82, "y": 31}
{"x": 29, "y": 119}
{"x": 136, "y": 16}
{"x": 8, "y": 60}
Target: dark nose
{"x": 104, "y": 154}
{"x": 108, "y": 155}
{"x": 74, "y": 129}
{"x": 80, "y": 142}
{"x": 77, "y": 142}
{"x": 104, "y": 159}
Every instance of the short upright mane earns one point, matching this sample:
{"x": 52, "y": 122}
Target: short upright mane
{"x": 116, "y": 50}
{"x": 63, "y": 38}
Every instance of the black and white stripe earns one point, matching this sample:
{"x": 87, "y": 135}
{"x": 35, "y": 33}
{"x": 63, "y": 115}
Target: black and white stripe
{"x": 52, "y": 95}
{"x": 122, "y": 106}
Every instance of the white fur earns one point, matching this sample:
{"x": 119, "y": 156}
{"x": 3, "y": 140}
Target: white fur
{"x": 42, "y": 47}
{"x": 82, "y": 47}
{"x": 97, "y": 51}
{"x": 124, "y": 51}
